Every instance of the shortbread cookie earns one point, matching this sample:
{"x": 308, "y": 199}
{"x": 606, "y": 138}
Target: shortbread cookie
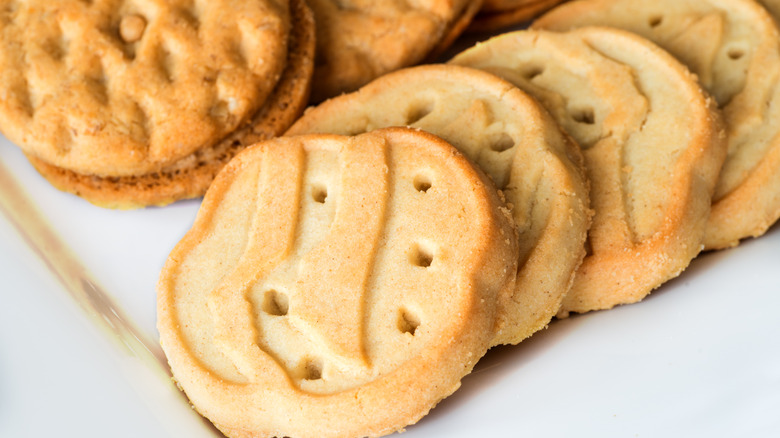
{"x": 335, "y": 286}
{"x": 653, "y": 145}
{"x": 190, "y": 176}
{"x": 504, "y": 14}
{"x": 515, "y": 142}
{"x": 733, "y": 46}
{"x": 113, "y": 88}
{"x": 359, "y": 40}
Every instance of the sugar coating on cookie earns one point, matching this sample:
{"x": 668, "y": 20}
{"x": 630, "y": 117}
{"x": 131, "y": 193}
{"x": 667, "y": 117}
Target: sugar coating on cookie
{"x": 653, "y": 146}
{"x": 359, "y": 40}
{"x": 515, "y": 142}
{"x": 115, "y": 88}
{"x": 733, "y": 46}
{"x": 335, "y": 286}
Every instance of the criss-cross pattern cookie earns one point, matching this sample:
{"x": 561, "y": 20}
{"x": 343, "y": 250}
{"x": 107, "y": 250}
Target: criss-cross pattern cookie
{"x": 733, "y": 46}
{"x": 653, "y": 145}
{"x": 190, "y": 176}
{"x": 335, "y": 286}
{"x": 114, "y": 88}
{"x": 359, "y": 40}
{"x": 515, "y": 142}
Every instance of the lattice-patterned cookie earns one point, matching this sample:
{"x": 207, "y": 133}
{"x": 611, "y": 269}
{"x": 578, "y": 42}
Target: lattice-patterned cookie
{"x": 733, "y": 46}
{"x": 335, "y": 286}
{"x": 514, "y": 141}
{"x": 359, "y": 40}
{"x": 125, "y": 87}
{"x": 653, "y": 145}
{"x": 190, "y": 176}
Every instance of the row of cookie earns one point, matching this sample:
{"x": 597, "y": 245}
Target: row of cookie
{"x": 648, "y": 225}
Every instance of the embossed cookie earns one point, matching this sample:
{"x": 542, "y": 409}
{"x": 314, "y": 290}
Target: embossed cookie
{"x": 733, "y": 46}
{"x": 515, "y": 142}
{"x": 335, "y": 286}
{"x": 653, "y": 146}
{"x": 190, "y": 176}
{"x": 359, "y": 40}
{"x": 111, "y": 88}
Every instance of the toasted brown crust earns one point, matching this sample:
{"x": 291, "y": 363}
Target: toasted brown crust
{"x": 487, "y": 21}
{"x": 368, "y": 337}
{"x": 191, "y": 176}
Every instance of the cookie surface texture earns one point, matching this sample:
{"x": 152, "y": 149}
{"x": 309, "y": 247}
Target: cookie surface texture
{"x": 515, "y": 142}
{"x": 653, "y": 146}
{"x": 491, "y": 20}
{"x": 335, "y": 286}
{"x": 359, "y": 40}
{"x": 114, "y": 88}
{"x": 189, "y": 177}
{"x": 734, "y": 48}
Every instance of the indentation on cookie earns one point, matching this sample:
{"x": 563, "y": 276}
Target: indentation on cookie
{"x": 502, "y": 143}
{"x": 311, "y": 368}
{"x": 735, "y": 53}
{"x": 275, "y": 303}
{"x": 532, "y": 72}
{"x": 584, "y": 114}
{"x": 418, "y": 111}
{"x": 319, "y": 193}
{"x": 655, "y": 20}
{"x": 166, "y": 63}
{"x": 422, "y": 183}
{"x": 97, "y": 84}
{"x": 220, "y": 111}
{"x": 421, "y": 255}
{"x": 408, "y": 321}
{"x": 56, "y": 45}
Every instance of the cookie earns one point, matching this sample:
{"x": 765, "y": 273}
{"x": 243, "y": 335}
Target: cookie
{"x": 113, "y": 88}
{"x": 359, "y": 40}
{"x": 734, "y": 48}
{"x": 653, "y": 144}
{"x": 190, "y": 176}
{"x": 515, "y": 142}
{"x": 502, "y": 14}
{"x": 335, "y": 286}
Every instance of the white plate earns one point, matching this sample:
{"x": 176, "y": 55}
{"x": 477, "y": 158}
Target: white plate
{"x": 700, "y": 357}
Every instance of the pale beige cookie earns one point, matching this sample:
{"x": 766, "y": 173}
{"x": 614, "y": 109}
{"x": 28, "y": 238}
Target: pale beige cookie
{"x": 653, "y": 145}
{"x": 359, "y": 40}
{"x": 190, "y": 176}
{"x": 507, "y": 14}
{"x": 335, "y": 286}
{"x": 733, "y": 46}
{"x": 515, "y": 142}
{"x": 115, "y": 88}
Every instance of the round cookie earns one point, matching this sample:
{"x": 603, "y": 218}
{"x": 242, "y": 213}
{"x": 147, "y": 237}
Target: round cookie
{"x": 652, "y": 141}
{"x": 190, "y": 176}
{"x": 335, "y": 286}
{"x": 112, "y": 88}
{"x": 515, "y": 142}
{"x": 733, "y": 46}
{"x": 359, "y": 40}
{"x": 505, "y": 14}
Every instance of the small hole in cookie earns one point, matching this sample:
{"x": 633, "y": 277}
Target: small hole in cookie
{"x": 422, "y": 183}
{"x": 584, "y": 115}
{"x": 533, "y": 71}
{"x": 311, "y": 369}
{"x": 407, "y": 322}
{"x": 319, "y": 194}
{"x": 421, "y": 256}
{"x": 655, "y": 21}
{"x": 503, "y": 143}
{"x": 418, "y": 111}
{"x": 735, "y": 53}
{"x": 275, "y": 303}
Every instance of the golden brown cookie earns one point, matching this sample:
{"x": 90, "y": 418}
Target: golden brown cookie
{"x": 733, "y": 46}
{"x": 113, "y": 88}
{"x": 653, "y": 145}
{"x": 335, "y": 286}
{"x": 190, "y": 176}
{"x": 503, "y": 14}
{"x": 359, "y": 40}
{"x": 515, "y": 142}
